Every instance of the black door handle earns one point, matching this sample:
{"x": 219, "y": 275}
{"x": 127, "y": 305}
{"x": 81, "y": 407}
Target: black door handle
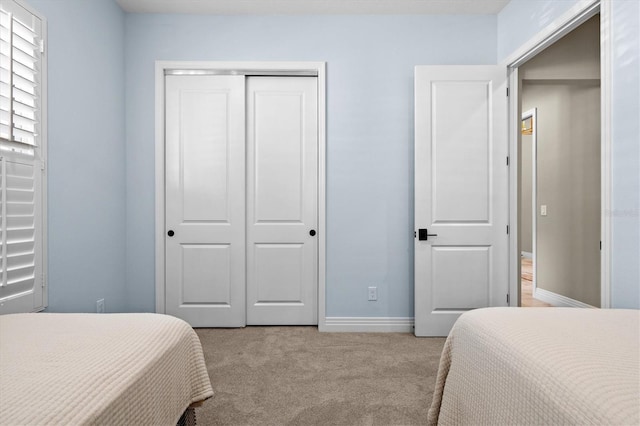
{"x": 423, "y": 234}
{"x": 312, "y": 232}
{"x": 170, "y": 233}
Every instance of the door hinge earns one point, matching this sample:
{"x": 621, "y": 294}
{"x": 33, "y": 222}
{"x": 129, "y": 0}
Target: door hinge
{"x": 42, "y": 45}
{"x": 43, "y": 280}
{"x": 507, "y": 229}
{"x": 42, "y": 165}
{"x": 600, "y": 245}
{"x": 507, "y": 298}
{"x": 507, "y": 160}
{"x": 507, "y": 91}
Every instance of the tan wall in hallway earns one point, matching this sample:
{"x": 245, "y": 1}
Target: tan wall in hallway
{"x": 563, "y": 83}
{"x": 568, "y": 177}
{"x": 575, "y": 56}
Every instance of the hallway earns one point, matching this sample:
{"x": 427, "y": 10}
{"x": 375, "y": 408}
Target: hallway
{"x": 526, "y": 286}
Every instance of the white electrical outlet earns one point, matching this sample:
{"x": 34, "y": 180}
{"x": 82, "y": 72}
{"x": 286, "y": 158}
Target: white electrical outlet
{"x": 100, "y": 306}
{"x": 373, "y": 293}
{"x": 543, "y": 210}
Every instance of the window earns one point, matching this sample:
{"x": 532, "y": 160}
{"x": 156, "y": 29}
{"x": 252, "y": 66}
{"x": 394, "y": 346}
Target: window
{"x": 22, "y": 159}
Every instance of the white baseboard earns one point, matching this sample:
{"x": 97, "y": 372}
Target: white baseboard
{"x": 368, "y": 324}
{"x": 557, "y": 299}
{"x": 526, "y": 254}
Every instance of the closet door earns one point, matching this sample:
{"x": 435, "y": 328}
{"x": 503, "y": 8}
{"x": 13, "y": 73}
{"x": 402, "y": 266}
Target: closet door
{"x": 282, "y": 205}
{"x": 205, "y": 200}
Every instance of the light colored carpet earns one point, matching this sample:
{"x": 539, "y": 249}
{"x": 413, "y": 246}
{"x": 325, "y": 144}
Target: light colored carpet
{"x": 298, "y": 376}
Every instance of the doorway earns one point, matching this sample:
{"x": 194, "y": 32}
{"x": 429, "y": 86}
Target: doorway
{"x": 243, "y": 203}
{"x": 528, "y": 202}
{"x": 561, "y": 84}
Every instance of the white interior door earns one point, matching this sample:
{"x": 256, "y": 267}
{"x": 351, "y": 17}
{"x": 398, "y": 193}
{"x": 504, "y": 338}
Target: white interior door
{"x": 205, "y": 200}
{"x": 282, "y": 200}
{"x": 461, "y": 205}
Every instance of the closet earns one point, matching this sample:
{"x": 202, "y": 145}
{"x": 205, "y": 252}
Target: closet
{"x": 241, "y": 199}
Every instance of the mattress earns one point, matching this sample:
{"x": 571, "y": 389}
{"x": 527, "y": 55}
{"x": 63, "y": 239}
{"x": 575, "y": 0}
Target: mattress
{"x": 540, "y": 366}
{"x": 109, "y": 369}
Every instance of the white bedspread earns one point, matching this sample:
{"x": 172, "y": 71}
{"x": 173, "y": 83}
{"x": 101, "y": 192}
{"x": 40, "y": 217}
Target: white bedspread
{"x": 110, "y": 369}
{"x": 547, "y": 366}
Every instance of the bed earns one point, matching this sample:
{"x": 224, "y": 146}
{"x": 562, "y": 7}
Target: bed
{"x": 540, "y": 366}
{"x": 107, "y": 369}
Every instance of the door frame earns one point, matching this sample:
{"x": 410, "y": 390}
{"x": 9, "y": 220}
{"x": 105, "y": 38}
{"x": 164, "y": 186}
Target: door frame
{"x": 317, "y": 69}
{"x": 533, "y": 114}
{"x": 574, "y": 17}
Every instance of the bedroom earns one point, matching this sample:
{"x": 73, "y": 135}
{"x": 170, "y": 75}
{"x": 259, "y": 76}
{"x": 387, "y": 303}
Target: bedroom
{"x": 116, "y": 193}
{"x": 101, "y": 127}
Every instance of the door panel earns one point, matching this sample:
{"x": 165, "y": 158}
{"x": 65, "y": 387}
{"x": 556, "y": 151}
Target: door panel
{"x": 456, "y": 288}
{"x": 205, "y": 206}
{"x": 279, "y": 273}
{"x": 278, "y": 154}
{"x": 202, "y": 264}
{"x": 460, "y": 193}
{"x": 282, "y": 144}
{"x": 460, "y": 142}
{"x": 204, "y": 168}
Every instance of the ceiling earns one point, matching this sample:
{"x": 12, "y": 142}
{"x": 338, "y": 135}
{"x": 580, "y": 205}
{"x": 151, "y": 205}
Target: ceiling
{"x": 316, "y": 7}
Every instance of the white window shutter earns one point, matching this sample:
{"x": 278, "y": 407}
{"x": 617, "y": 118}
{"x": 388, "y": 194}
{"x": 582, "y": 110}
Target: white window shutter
{"x": 19, "y": 205}
{"x": 20, "y": 69}
{"x": 5, "y": 75}
{"x": 21, "y": 209}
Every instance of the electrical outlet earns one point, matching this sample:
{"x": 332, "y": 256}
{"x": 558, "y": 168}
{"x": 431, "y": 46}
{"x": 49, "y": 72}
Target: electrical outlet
{"x": 543, "y": 210}
{"x": 373, "y": 293}
{"x": 100, "y": 306}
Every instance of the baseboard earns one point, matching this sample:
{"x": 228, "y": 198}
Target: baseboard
{"x": 526, "y": 254}
{"x": 368, "y": 324}
{"x": 557, "y": 299}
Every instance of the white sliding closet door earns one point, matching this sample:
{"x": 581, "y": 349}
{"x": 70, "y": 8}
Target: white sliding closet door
{"x": 205, "y": 200}
{"x": 282, "y": 200}
{"x": 241, "y": 251}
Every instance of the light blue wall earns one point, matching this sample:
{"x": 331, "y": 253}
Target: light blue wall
{"x": 518, "y": 22}
{"x": 369, "y": 131}
{"x": 101, "y": 188}
{"x": 625, "y": 213}
{"x": 86, "y": 167}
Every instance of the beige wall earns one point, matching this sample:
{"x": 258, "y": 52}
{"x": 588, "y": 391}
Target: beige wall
{"x": 575, "y": 56}
{"x": 568, "y": 183}
{"x": 563, "y": 83}
{"x": 526, "y": 220}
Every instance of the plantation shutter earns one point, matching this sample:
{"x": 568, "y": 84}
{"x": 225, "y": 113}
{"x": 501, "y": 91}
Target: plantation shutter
{"x": 21, "y": 165}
